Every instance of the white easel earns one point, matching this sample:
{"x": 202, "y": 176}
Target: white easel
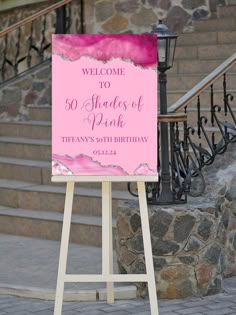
{"x": 107, "y": 250}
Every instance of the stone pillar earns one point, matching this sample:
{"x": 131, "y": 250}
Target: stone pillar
{"x": 227, "y": 207}
{"x": 188, "y": 248}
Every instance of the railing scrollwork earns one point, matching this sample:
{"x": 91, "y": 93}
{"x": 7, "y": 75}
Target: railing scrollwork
{"x": 215, "y": 129}
{"x": 195, "y": 144}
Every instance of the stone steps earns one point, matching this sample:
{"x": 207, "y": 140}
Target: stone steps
{"x": 207, "y": 38}
{"x": 37, "y": 211}
{"x": 188, "y": 81}
{"x": 30, "y": 204}
{"x": 230, "y": 2}
{"x": 222, "y": 24}
{"x": 196, "y": 66}
{"x": 26, "y": 195}
{"x": 48, "y": 225}
{"x": 26, "y": 129}
{"x": 197, "y": 54}
{"x": 33, "y": 171}
{"x": 26, "y": 148}
{"x": 224, "y": 12}
{"x": 40, "y": 113}
{"x": 205, "y": 52}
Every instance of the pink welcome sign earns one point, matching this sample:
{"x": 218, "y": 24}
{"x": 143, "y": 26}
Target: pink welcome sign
{"x": 104, "y": 90}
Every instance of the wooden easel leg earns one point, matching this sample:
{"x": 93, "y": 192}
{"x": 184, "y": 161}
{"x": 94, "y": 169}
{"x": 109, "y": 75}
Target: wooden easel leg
{"x": 107, "y": 243}
{"x": 64, "y": 248}
{"x": 147, "y": 249}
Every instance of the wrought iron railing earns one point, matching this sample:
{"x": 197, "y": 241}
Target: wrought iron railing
{"x": 212, "y": 134}
{"x": 195, "y": 143}
{"x": 28, "y": 42}
{"x": 213, "y": 128}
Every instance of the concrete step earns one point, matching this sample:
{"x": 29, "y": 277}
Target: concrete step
{"x": 26, "y": 129}
{"x": 40, "y": 113}
{"x": 25, "y": 195}
{"x": 48, "y": 225}
{"x": 188, "y": 81}
{"x": 204, "y": 52}
{"x": 32, "y": 171}
{"x": 38, "y": 172}
{"x": 226, "y": 11}
{"x": 206, "y": 38}
{"x": 196, "y": 66}
{"x": 230, "y": 2}
{"x": 216, "y": 51}
{"x": 33, "y": 149}
{"x": 205, "y": 97}
{"x": 223, "y": 24}
{"x": 29, "y": 268}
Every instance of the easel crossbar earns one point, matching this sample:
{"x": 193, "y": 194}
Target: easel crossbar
{"x": 106, "y": 278}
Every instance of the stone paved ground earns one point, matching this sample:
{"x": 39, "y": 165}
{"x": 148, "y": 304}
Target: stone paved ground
{"x": 32, "y": 263}
{"x": 220, "y": 304}
{"x": 25, "y": 263}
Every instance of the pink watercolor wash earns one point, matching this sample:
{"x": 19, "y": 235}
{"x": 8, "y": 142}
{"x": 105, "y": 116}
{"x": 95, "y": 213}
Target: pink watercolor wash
{"x": 141, "y": 49}
{"x": 82, "y": 164}
{"x": 104, "y": 91}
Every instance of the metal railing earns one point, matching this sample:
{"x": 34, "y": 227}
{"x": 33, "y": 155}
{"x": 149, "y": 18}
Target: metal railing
{"x": 216, "y": 132}
{"x": 196, "y": 139}
{"x": 213, "y": 128}
{"x": 28, "y": 42}
{"x": 203, "y": 85}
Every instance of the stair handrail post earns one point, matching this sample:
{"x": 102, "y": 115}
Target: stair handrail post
{"x": 61, "y": 20}
{"x": 166, "y": 42}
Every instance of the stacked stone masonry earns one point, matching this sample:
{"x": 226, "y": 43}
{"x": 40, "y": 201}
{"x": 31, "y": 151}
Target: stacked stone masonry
{"x": 137, "y": 16}
{"x": 193, "y": 246}
{"x": 31, "y": 89}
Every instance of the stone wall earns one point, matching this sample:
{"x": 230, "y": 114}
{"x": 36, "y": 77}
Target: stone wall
{"x": 227, "y": 208}
{"x": 137, "y": 16}
{"x": 111, "y": 16}
{"x": 32, "y": 88}
{"x": 194, "y": 246}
